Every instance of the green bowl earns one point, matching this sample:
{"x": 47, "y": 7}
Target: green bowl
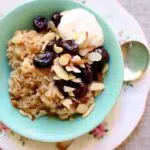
{"x": 51, "y": 129}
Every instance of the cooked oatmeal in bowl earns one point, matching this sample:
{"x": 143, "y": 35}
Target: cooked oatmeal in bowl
{"x": 59, "y": 67}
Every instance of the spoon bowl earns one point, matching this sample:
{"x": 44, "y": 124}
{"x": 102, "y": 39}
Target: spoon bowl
{"x": 136, "y": 60}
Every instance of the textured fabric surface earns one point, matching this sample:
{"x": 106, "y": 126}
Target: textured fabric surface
{"x": 140, "y": 139}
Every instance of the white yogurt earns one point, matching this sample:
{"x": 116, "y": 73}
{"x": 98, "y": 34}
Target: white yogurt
{"x": 79, "y": 21}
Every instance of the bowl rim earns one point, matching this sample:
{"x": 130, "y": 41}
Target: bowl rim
{"x": 30, "y": 136}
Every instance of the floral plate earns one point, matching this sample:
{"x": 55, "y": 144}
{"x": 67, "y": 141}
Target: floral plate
{"x": 129, "y": 109}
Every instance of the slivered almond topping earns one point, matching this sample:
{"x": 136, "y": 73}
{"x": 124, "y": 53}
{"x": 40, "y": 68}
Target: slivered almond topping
{"x": 82, "y": 108}
{"x": 82, "y": 61}
{"x": 60, "y": 72}
{"x": 76, "y": 70}
{"x": 83, "y": 52}
{"x": 68, "y": 89}
{"x": 68, "y": 68}
{"x": 96, "y": 86}
{"x": 56, "y": 60}
{"x": 56, "y": 78}
{"x": 94, "y": 56}
{"x": 71, "y": 94}
{"x": 48, "y": 37}
{"x": 72, "y": 68}
{"x": 57, "y": 49}
{"x": 44, "y": 45}
{"x": 90, "y": 109}
{"x": 71, "y": 77}
{"x": 67, "y": 103}
{"x": 76, "y": 58}
{"x": 82, "y": 65}
{"x": 77, "y": 80}
{"x": 90, "y": 62}
{"x": 64, "y": 59}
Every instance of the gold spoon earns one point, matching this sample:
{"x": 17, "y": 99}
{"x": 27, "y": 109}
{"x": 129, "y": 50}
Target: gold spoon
{"x": 136, "y": 60}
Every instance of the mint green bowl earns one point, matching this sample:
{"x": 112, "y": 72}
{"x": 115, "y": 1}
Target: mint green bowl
{"x": 50, "y": 129}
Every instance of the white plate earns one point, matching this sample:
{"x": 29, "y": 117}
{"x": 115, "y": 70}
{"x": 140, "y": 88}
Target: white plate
{"x": 131, "y": 104}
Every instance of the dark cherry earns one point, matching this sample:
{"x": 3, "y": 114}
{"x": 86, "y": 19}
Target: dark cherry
{"x": 87, "y": 76}
{"x": 78, "y": 75}
{"x": 81, "y": 91}
{"x": 44, "y": 60}
{"x": 59, "y": 42}
{"x": 71, "y": 84}
{"x": 71, "y": 47}
{"x": 105, "y": 55}
{"x": 56, "y": 17}
{"x": 60, "y": 86}
{"x": 97, "y": 68}
{"x": 40, "y": 23}
{"x": 49, "y": 46}
{"x": 61, "y": 83}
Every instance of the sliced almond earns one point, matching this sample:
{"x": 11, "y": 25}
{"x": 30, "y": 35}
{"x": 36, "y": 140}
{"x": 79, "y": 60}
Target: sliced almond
{"x": 68, "y": 89}
{"x": 90, "y": 62}
{"x": 71, "y": 76}
{"x": 105, "y": 69}
{"x": 57, "y": 49}
{"x": 82, "y": 65}
{"x": 42, "y": 113}
{"x": 22, "y": 112}
{"x": 76, "y": 70}
{"x": 89, "y": 48}
{"x": 49, "y": 37}
{"x": 71, "y": 94}
{"x": 82, "y": 61}
{"x": 82, "y": 108}
{"x": 68, "y": 68}
{"x": 72, "y": 68}
{"x": 94, "y": 56}
{"x": 60, "y": 72}
{"x": 64, "y": 59}
{"x": 90, "y": 109}
{"x": 83, "y": 52}
{"x": 96, "y": 86}
{"x": 44, "y": 45}
{"x": 56, "y": 60}
{"x": 67, "y": 103}
{"x": 76, "y": 58}
{"x": 77, "y": 80}
{"x": 76, "y": 100}
{"x": 58, "y": 93}
{"x": 57, "y": 37}
{"x": 56, "y": 78}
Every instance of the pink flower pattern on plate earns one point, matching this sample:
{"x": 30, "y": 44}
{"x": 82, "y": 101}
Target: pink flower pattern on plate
{"x": 3, "y": 127}
{"x": 99, "y": 131}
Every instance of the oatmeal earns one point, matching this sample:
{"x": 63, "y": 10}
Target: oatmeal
{"x": 58, "y": 68}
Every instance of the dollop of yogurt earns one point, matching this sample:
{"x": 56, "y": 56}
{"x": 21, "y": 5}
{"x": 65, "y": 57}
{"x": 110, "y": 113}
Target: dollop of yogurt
{"x": 74, "y": 23}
